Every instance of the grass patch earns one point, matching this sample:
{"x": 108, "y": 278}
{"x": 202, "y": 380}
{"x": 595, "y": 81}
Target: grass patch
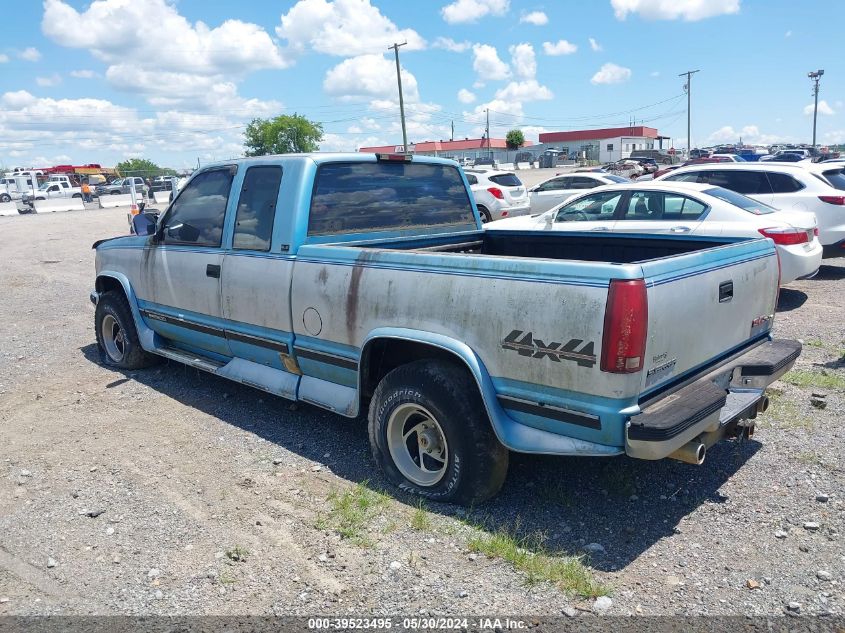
{"x": 787, "y": 413}
{"x": 527, "y": 555}
{"x": 815, "y": 379}
{"x": 237, "y": 553}
{"x": 351, "y": 512}
{"x": 814, "y": 343}
{"x": 420, "y": 519}
{"x": 225, "y": 578}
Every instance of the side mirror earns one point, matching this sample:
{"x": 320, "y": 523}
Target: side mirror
{"x": 144, "y": 223}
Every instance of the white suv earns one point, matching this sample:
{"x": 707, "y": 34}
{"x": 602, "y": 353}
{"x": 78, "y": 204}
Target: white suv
{"x": 498, "y": 194}
{"x": 812, "y": 187}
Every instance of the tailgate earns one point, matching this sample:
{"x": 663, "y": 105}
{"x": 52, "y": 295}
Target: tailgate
{"x": 705, "y": 304}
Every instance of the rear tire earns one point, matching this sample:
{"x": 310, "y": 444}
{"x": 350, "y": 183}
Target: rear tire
{"x": 430, "y": 434}
{"x": 485, "y": 215}
{"x": 117, "y": 337}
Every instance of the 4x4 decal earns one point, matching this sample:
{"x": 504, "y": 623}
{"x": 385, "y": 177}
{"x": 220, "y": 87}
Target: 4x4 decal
{"x": 526, "y": 345}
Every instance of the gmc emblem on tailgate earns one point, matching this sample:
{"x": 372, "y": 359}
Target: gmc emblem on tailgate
{"x": 526, "y": 345}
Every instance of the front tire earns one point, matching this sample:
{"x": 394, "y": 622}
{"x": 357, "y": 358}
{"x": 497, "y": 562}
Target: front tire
{"x": 117, "y": 337}
{"x": 430, "y": 434}
{"x": 5, "y": 197}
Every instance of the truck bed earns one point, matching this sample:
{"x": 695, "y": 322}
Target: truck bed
{"x": 617, "y": 248}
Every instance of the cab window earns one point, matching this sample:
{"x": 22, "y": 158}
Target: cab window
{"x": 196, "y": 216}
{"x": 257, "y": 208}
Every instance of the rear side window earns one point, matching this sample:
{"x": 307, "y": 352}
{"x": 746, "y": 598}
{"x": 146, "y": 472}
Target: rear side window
{"x": 506, "y": 180}
{"x": 383, "y": 196}
{"x": 783, "y": 183}
{"x": 746, "y": 182}
{"x": 472, "y": 179}
{"x": 196, "y": 216}
{"x": 836, "y": 177}
{"x": 257, "y": 208}
{"x": 738, "y": 200}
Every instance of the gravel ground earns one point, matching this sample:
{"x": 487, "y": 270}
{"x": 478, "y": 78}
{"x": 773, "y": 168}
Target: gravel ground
{"x": 171, "y": 491}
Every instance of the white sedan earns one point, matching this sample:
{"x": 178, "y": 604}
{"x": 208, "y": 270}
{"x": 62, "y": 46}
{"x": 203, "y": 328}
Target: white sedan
{"x": 685, "y": 208}
{"x": 562, "y": 187}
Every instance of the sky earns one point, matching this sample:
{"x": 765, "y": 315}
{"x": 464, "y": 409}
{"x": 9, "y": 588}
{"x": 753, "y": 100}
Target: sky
{"x": 177, "y": 81}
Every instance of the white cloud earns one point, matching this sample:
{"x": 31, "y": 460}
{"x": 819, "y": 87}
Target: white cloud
{"x": 523, "y": 60}
{"x": 537, "y": 18}
{"x": 748, "y": 134}
{"x": 174, "y": 63}
{"x": 83, "y": 74}
{"x": 343, "y": 27}
{"x": 689, "y": 10}
{"x": 465, "y": 96}
{"x": 4, "y": 59}
{"x": 522, "y": 91}
{"x": 824, "y": 108}
{"x": 478, "y": 84}
{"x": 788, "y": 34}
{"x": 451, "y": 45}
{"x": 48, "y": 82}
{"x": 561, "y": 47}
{"x": 30, "y": 54}
{"x": 611, "y": 74}
{"x": 654, "y": 73}
{"x": 595, "y": 45}
{"x": 487, "y": 64}
{"x": 369, "y": 76}
{"x": 461, "y": 11}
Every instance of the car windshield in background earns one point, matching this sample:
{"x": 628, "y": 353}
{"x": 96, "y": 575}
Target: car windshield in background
{"x": 360, "y": 197}
{"x": 836, "y": 177}
{"x": 738, "y": 200}
{"x": 506, "y": 180}
{"x": 617, "y": 178}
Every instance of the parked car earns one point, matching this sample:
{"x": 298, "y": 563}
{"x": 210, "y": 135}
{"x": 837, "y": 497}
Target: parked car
{"x": 51, "y": 190}
{"x": 486, "y": 162}
{"x": 783, "y": 157}
{"x": 801, "y": 187}
{"x": 367, "y": 285}
{"x": 685, "y": 208}
{"x": 553, "y": 191}
{"x": 665, "y": 170}
{"x": 122, "y": 186}
{"x": 627, "y": 166}
{"x": 657, "y": 155}
{"x": 498, "y": 194}
{"x": 649, "y": 165}
{"x": 729, "y": 158}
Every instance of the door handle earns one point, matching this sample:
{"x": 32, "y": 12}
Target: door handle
{"x": 680, "y": 229}
{"x": 212, "y": 270}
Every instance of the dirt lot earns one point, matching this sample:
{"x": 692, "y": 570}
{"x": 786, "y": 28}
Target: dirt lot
{"x": 171, "y": 491}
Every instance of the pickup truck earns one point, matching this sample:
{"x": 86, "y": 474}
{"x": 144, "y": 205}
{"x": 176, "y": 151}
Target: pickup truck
{"x": 364, "y": 284}
{"x": 122, "y": 186}
{"x": 51, "y": 190}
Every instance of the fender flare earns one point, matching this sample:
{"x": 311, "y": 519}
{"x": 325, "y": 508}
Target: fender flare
{"x": 146, "y": 336}
{"x": 514, "y": 435}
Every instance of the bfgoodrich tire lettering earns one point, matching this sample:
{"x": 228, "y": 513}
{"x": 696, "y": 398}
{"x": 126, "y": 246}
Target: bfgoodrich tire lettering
{"x": 476, "y": 463}
{"x": 117, "y": 337}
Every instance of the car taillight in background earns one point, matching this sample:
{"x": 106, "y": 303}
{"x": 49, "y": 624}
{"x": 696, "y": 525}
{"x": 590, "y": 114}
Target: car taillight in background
{"x": 625, "y": 327}
{"x": 786, "y": 236}
{"x": 496, "y": 192}
{"x": 838, "y": 200}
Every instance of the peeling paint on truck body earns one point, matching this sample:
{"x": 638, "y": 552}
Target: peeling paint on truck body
{"x": 319, "y": 302}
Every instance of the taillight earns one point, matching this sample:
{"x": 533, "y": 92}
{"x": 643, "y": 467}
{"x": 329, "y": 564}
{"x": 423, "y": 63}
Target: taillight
{"x": 497, "y": 193}
{"x": 786, "y": 236}
{"x": 625, "y": 327}
{"x": 840, "y": 200}
{"x": 816, "y": 231}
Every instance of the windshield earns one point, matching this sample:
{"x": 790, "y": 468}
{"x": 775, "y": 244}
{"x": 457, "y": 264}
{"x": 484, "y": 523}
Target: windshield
{"x": 738, "y": 200}
{"x": 836, "y": 177}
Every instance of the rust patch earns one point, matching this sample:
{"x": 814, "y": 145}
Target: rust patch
{"x": 323, "y": 276}
{"x": 352, "y": 296}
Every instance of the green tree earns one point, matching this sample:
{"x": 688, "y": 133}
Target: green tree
{"x": 284, "y": 134}
{"x": 515, "y": 139}
{"x": 143, "y": 167}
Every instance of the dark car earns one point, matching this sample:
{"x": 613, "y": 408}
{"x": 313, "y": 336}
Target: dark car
{"x": 784, "y": 157}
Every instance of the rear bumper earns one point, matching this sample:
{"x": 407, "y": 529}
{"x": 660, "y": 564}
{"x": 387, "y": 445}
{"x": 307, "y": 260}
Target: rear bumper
{"x": 712, "y": 406}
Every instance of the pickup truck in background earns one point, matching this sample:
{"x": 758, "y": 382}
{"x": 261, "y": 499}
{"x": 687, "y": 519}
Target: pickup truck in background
{"x": 50, "y": 190}
{"x": 357, "y": 283}
{"x": 122, "y": 186}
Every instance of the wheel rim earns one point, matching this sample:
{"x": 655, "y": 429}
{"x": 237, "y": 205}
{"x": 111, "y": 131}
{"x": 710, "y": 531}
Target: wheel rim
{"x": 417, "y": 444}
{"x": 114, "y": 339}
{"x": 485, "y": 215}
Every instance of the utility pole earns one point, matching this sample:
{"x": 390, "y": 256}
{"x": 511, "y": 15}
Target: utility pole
{"x": 395, "y": 48}
{"x": 452, "y": 138}
{"x": 815, "y": 76}
{"x": 688, "y": 88}
{"x": 487, "y": 133}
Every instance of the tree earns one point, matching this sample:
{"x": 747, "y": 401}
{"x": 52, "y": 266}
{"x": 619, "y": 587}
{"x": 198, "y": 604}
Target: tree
{"x": 282, "y": 135}
{"x": 515, "y": 139}
{"x": 142, "y": 167}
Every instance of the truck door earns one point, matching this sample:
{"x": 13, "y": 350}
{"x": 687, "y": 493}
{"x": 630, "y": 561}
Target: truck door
{"x": 179, "y": 278}
{"x": 255, "y": 287}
